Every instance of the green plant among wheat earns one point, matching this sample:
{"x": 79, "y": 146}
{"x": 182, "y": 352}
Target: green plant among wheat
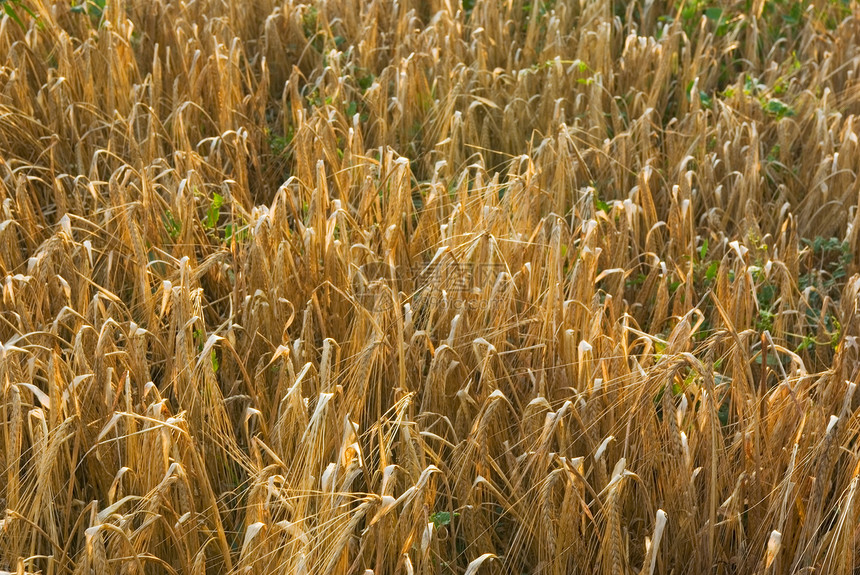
{"x": 382, "y": 287}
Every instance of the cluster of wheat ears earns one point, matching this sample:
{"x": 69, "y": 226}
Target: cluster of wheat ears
{"x": 413, "y": 287}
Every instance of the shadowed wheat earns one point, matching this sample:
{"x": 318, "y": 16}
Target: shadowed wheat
{"x": 393, "y": 286}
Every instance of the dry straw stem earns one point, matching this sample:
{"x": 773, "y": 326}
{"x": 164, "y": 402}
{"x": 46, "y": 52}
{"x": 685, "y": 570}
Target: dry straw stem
{"x": 429, "y": 287}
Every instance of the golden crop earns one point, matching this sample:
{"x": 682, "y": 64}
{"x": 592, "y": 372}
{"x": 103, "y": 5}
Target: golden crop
{"x": 419, "y": 287}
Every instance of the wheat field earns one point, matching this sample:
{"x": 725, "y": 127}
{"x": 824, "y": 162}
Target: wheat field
{"x": 429, "y": 287}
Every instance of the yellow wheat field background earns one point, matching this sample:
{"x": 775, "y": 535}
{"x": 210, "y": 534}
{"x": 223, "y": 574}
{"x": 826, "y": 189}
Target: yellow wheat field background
{"x": 429, "y": 287}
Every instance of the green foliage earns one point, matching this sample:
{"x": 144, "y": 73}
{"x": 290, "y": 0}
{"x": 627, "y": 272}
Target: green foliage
{"x": 214, "y": 211}
{"x": 280, "y": 144}
{"x": 441, "y": 518}
{"x": 778, "y": 108}
{"x": 636, "y": 281}
{"x": 724, "y": 410}
{"x": 309, "y": 21}
{"x": 172, "y": 225}
{"x": 692, "y": 12}
{"x": 11, "y": 8}
{"x": 705, "y": 271}
{"x": 706, "y": 99}
{"x": 808, "y": 342}
{"x": 711, "y": 271}
{"x": 773, "y": 107}
{"x": 310, "y": 28}
{"x": 773, "y": 154}
{"x": 752, "y": 86}
{"x": 365, "y": 81}
{"x": 794, "y": 16}
{"x": 833, "y": 257}
{"x": 764, "y": 320}
{"x": 241, "y": 233}
{"x": 542, "y": 7}
{"x": 94, "y": 8}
